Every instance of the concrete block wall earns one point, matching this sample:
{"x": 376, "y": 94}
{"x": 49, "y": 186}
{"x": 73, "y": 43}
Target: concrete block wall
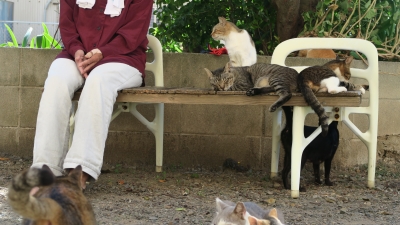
{"x": 195, "y": 135}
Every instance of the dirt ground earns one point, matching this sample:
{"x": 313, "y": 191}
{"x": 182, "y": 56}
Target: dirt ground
{"x": 130, "y": 195}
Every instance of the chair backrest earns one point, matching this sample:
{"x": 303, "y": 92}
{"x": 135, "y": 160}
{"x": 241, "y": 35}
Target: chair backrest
{"x": 367, "y": 48}
{"x": 156, "y": 66}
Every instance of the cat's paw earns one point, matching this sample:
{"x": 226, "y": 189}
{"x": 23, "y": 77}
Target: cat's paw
{"x": 362, "y": 90}
{"x": 318, "y": 181}
{"x": 272, "y": 108}
{"x": 328, "y": 183}
{"x": 337, "y": 90}
{"x": 250, "y": 92}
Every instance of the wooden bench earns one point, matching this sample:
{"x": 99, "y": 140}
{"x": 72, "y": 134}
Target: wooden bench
{"x": 128, "y": 99}
{"x": 207, "y": 96}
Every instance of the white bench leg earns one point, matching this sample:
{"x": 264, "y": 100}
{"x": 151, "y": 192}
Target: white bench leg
{"x": 276, "y": 141}
{"x": 156, "y": 127}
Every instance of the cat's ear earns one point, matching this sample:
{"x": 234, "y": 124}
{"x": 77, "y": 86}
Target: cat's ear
{"x": 47, "y": 168}
{"x": 273, "y": 213}
{"x": 349, "y": 59}
{"x": 252, "y": 220}
{"x": 209, "y": 73}
{"x": 76, "y": 174}
{"x": 221, "y": 205}
{"x": 222, "y": 20}
{"x": 46, "y": 175}
{"x": 228, "y": 66}
{"x": 240, "y": 210}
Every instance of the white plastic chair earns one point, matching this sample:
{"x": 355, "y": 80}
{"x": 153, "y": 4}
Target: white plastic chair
{"x": 369, "y": 138}
{"x": 157, "y": 125}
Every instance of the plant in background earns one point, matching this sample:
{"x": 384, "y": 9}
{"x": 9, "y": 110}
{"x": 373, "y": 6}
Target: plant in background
{"x": 44, "y": 40}
{"x": 375, "y": 20}
{"x": 189, "y": 23}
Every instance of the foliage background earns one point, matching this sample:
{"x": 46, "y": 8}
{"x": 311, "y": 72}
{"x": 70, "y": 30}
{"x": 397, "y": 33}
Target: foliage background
{"x": 190, "y": 22}
{"x": 187, "y": 25}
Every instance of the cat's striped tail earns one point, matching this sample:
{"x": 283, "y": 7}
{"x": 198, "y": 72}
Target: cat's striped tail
{"x": 313, "y": 102}
{"x": 27, "y": 205}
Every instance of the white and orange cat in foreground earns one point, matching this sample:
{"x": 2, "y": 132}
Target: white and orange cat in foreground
{"x": 238, "y": 43}
{"x": 245, "y": 213}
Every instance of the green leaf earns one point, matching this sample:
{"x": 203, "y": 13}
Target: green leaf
{"x": 32, "y": 44}
{"x": 180, "y": 209}
{"x": 3, "y": 45}
{"x": 367, "y": 4}
{"x": 52, "y": 41}
{"x": 39, "y": 41}
{"x": 396, "y": 16}
{"x": 26, "y": 37}
{"x": 370, "y": 14}
{"x": 14, "y": 40}
{"x": 45, "y": 30}
{"x": 10, "y": 44}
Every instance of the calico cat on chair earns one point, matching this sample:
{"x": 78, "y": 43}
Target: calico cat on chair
{"x": 326, "y": 78}
{"x": 321, "y": 149}
{"x": 43, "y": 199}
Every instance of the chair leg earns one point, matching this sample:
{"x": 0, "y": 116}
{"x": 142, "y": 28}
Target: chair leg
{"x": 299, "y": 115}
{"x": 276, "y": 141}
{"x": 159, "y": 135}
{"x": 371, "y": 162}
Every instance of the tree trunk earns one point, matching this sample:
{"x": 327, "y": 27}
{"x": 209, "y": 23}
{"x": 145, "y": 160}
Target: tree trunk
{"x": 289, "y": 22}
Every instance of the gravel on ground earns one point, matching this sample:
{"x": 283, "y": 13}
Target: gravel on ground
{"x": 126, "y": 194}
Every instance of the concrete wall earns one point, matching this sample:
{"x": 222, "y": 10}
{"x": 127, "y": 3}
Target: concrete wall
{"x": 195, "y": 135}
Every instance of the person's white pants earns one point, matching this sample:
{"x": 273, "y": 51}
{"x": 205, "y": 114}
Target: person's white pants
{"x": 92, "y": 117}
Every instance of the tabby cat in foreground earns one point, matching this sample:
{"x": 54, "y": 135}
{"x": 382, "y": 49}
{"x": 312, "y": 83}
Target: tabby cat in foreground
{"x": 245, "y": 213}
{"x": 274, "y": 78}
{"x": 58, "y": 201}
{"x": 238, "y": 43}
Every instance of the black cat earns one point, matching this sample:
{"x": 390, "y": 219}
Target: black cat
{"x": 321, "y": 149}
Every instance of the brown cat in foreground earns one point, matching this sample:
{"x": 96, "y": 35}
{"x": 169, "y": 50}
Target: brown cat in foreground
{"x": 57, "y": 201}
{"x": 317, "y": 53}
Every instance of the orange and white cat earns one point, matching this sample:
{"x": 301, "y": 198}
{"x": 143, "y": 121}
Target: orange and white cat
{"x": 317, "y": 53}
{"x": 238, "y": 43}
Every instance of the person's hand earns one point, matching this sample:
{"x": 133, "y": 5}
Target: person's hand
{"x": 91, "y": 58}
{"x": 79, "y": 58}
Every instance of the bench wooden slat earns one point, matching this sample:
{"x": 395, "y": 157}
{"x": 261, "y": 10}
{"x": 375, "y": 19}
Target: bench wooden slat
{"x": 208, "y": 96}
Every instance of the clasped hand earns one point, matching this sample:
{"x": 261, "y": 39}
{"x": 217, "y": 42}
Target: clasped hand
{"x": 86, "y": 62}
